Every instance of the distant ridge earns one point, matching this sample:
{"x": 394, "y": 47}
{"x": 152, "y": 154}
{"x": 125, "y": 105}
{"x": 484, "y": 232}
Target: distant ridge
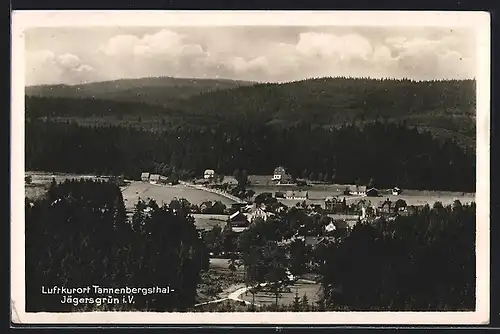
{"x": 446, "y": 108}
{"x": 153, "y": 90}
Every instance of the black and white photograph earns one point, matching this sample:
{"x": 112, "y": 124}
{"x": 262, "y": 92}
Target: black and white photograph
{"x": 250, "y": 167}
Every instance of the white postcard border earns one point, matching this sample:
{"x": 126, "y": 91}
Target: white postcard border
{"x": 480, "y": 21}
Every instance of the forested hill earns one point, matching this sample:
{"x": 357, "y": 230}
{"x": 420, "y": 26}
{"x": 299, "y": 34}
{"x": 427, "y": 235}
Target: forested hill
{"x": 445, "y": 108}
{"x": 157, "y": 91}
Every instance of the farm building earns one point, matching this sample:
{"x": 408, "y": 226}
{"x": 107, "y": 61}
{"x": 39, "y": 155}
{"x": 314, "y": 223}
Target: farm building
{"x": 355, "y": 190}
{"x": 297, "y": 195}
{"x": 145, "y": 177}
{"x": 209, "y": 174}
{"x": 372, "y": 192}
{"x": 396, "y": 191}
{"x": 154, "y": 178}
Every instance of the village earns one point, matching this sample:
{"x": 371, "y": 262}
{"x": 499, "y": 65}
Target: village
{"x": 354, "y": 204}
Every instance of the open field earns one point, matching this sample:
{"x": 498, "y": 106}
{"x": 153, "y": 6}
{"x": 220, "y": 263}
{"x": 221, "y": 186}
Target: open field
{"x": 300, "y": 287}
{"x": 318, "y": 193}
{"x": 40, "y": 182}
{"x": 165, "y": 193}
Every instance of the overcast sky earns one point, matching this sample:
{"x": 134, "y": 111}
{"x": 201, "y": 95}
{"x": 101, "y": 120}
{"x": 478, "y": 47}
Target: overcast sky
{"x": 264, "y": 54}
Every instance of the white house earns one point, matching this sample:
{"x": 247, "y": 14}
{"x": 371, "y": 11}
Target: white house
{"x": 154, "y": 178}
{"x": 396, "y": 191}
{"x": 145, "y": 177}
{"x": 209, "y": 174}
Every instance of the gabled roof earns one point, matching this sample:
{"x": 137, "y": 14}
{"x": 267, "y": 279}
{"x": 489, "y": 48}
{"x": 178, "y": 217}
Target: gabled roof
{"x": 144, "y": 174}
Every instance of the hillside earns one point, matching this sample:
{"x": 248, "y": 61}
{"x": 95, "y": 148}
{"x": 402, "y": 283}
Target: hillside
{"x": 157, "y": 91}
{"x": 444, "y": 108}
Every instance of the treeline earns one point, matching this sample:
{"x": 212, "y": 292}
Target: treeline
{"x": 79, "y": 236}
{"x": 422, "y": 262}
{"x": 382, "y": 154}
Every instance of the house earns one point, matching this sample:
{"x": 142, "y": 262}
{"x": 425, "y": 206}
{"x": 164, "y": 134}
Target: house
{"x": 330, "y": 227}
{"x": 386, "y": 206}
{"x": 297, "y": 195}
{"x": 372, "y": 192}
{"x": 396, "y": 191}
{"x": 279, "y": 173}
{"x": 144, "y": 176}
{"x": 163, "y": 180}
{"x": 330, "y": 202}
{"x": 355, "y": 190}
{"x": 238, "y": 219}
{"x": 257, "y": 213}
{"x": 207, "y": 205}
{"x": 154, "y": 178}
{"x": 209, "y": 174}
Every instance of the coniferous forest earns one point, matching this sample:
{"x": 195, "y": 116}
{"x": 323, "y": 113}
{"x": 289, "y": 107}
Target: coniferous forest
{"x": 389, "y": 154}
{"x": 79, "y": 236}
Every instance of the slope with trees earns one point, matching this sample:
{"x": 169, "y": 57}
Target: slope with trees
{"x": 79, "y": 236}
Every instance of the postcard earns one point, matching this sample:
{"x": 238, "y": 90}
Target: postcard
{"x": 264, "y": 167}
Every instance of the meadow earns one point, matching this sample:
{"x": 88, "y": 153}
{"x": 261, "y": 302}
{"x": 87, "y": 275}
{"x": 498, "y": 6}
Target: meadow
{"x": 318, "y": 193}
{"x": 165, "y": 193}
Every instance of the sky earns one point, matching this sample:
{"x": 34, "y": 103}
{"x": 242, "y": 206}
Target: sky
{"x": 65, "y": 55}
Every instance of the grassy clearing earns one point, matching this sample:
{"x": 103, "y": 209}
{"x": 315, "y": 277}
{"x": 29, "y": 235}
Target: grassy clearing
{"x": 165, "y": 193}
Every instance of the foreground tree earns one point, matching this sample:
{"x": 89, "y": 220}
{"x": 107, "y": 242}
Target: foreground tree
{"x": 425, "y": 261}
{"x": 79, "y": 236}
